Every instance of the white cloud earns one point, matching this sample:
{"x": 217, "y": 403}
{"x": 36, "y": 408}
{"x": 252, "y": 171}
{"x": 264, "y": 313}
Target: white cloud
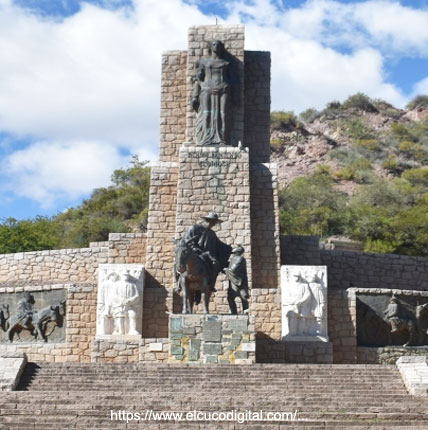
{"x": 46, "y": 170}
{"x": 395, "y": 27}
{"x": 421, "y": 87}
{"x": 307, "y": 74}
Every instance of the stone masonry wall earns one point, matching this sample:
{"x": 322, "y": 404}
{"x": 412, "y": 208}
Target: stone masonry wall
{"x": 54, "y": 266}
{"x": 160, "y": 249}
{"x": 173, "y": 104}
{"x": 264, "y": 225}
{"x": 79, "y": 331}
{"x": 233, "y": 39}
{"x": 127, "y": 248}
{"x": 300, "y": 250}
{"x": 265, "y": 295}
{"x": 257, "y": 105}
{"x": 366, "y": 270}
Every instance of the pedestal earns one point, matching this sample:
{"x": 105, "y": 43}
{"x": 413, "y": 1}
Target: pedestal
{"x": 222, "y": 339}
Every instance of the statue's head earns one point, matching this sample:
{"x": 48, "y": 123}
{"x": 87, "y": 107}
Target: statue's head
{"x": 113, "y": 276}
{"x": 217, "y": 46}
{"x": 239, "y": 250}
{"x": 212, "y": 219}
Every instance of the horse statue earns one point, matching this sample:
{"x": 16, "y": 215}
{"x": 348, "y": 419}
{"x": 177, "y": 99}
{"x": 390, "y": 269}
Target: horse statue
{"x": 37, "y": 323}
{"x": 192, "y": 275}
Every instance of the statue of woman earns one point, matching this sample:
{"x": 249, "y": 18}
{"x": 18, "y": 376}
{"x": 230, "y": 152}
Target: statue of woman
{"x": 212, "y": 97}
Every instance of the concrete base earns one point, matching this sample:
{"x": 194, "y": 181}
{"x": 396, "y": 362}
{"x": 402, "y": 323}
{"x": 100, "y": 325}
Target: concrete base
{"x": 223, "y": 339}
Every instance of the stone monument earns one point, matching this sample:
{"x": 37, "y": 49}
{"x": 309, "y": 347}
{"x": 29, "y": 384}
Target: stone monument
{"x": 214, "y": 164}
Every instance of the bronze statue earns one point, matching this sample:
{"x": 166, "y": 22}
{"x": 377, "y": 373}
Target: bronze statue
{"x": 199, "y": 257}
{"x": 236, "y": 274}
{"x": 212, "y": 97}
{"x": 208, "y": 246}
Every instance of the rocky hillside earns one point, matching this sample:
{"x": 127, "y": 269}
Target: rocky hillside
{"x": 359, "y": 140}
{"x": 357, "y": 170}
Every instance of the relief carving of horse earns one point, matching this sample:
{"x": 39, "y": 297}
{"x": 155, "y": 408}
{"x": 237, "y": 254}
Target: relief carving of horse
{"x": 37, "y": 323}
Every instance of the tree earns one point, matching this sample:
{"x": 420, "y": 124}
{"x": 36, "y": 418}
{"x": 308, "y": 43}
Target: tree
{"x": 121, "y": 207}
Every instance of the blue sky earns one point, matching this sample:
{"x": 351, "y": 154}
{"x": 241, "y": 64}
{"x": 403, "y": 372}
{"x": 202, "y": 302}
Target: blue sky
{"x": 80, "y": 81}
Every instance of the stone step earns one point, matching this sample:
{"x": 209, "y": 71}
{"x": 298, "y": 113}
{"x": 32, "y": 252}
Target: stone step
{"x": 70, "y": 395}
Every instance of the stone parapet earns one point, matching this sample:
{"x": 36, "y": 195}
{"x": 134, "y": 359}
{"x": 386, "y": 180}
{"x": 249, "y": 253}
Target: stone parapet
{"x": 414, "y": 371}
{"x": 52, "y": 266}
{"x": 12, "y": 365}
{"x": 388, "y": 354}
{"x": 127, "y": 248}
{"x": 368, "y": 270}
{"x": 223, "y": 339}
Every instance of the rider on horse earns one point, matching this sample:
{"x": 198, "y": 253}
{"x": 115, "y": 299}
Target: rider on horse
{"x": 206, "y": 244}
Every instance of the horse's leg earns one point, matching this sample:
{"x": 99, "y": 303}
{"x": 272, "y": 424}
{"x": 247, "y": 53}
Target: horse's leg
{"x": 184, "y": 289}
{"x": 205, "y": 296}
{"x": 191, "y": 298}
{"x": 10, "y": 333}
{"x": 40, "y": 331}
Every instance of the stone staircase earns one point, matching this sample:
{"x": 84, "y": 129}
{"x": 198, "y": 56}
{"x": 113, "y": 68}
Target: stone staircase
{"x": 72, "y": 395}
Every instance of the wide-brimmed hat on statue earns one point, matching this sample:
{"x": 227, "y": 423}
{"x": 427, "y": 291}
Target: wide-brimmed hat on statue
{"x": 238, "y": 250}
{"x": 212, "y": 216}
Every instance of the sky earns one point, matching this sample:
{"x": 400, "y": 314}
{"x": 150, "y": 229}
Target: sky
{"x": 80, "y": 80}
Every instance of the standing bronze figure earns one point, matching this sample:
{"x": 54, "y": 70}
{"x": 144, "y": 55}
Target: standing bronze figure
{"x": 212, "y": 97}
{"x": 236, "y": 274}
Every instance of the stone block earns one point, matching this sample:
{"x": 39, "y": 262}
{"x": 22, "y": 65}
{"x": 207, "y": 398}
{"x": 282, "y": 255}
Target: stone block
{"x": 212, "y": 348}
{"x": 211, "y": 331}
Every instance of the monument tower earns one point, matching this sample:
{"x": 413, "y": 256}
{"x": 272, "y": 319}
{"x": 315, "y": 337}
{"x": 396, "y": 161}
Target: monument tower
{"x": 214, "y": 157}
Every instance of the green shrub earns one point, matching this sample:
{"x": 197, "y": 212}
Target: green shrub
{"x": 401, "y": 131}
{"x": 276, "y": 144}
{"x": 391, "y": 164}
{"x": 413, "y": 150}
{"x": 360, "y": 101}
{"x": 380, "y": 246}
{"x": 283, "y": 120}
{"x": 309, "y": 115}
{"x": 420, "y": 101}
{"x": 358, "y": 130}
{"x": 371, "y": 145}
{"x": 417, "y": 176}
{"x": 355, "y": 170}
{"x": 335, "y": 104}
{"x": 345, "y": 174}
